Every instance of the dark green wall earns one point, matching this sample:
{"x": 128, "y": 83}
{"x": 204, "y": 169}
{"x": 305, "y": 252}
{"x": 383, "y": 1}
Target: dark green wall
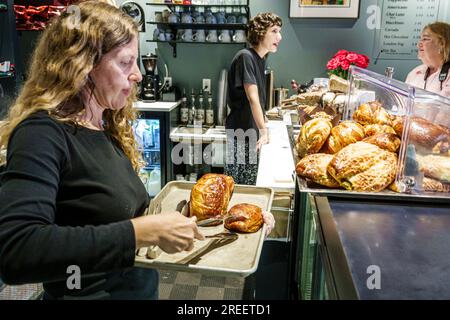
{"x": 306, "y": 47}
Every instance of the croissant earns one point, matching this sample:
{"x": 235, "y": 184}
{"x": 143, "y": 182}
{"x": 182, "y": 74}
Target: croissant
{"x": 343, "y": 134}
{"x": 434, "y": 166}
{"x": 386, "y": 141}
{"x": 314, "y": 167}
{"x": 313, "y": 135}
{"x": 442, "y": 147}
{"x": 244, "y": 217}
{"x": 210, "y": 196}
{"x": 372, "y": 129}
{"x": 426, "y": 134}
{"x": 434, "y": 185}
{"x": 397, "y": 125}
{"x": 371, "y": 113}
{"x": 362, "y": 166}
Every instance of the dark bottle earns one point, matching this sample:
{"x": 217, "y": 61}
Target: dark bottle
{"x": 184, "y": 110}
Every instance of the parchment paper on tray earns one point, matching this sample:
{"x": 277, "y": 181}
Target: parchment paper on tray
{"x": 211, "y": 256}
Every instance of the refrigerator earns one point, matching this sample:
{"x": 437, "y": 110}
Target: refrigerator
{"x": 151, "y": 131}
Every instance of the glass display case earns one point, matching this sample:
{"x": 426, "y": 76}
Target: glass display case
{"x": 421, "y": 118}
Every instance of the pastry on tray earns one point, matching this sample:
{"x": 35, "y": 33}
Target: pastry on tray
{"x": 210, "y": 196}
{"x": 244, "y": 217}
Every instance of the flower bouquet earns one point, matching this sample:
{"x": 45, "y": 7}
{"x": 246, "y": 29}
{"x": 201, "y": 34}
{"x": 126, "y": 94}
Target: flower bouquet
{"x": 343, "y": 59}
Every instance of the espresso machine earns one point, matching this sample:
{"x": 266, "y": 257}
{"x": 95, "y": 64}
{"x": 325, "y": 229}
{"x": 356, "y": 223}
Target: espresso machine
{"x": 150, "y": 81}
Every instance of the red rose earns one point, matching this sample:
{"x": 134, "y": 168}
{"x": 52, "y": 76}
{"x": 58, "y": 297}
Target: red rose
{"x": 332, "y": 64}
{"x": 352, "y": 57}
{"x": 345, "y": 65}
{"x": 362, "y": 61}
{"x": 341, "y": 53}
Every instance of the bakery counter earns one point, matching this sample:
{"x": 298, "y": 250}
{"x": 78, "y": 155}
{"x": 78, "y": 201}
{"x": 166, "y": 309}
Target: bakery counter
{"x": 374, "y": 249}
{"x": 158, "y": 106}
{"x": 276, "y": 165}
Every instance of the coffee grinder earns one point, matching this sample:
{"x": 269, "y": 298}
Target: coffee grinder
{"x": 150, "y": 81}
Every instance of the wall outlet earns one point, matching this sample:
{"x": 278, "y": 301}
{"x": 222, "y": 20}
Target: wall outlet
{"x": 206, "y": 85}
{"x": 168, "y": 81}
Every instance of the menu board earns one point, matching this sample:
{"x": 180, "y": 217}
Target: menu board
{"x": 401, "y": 24}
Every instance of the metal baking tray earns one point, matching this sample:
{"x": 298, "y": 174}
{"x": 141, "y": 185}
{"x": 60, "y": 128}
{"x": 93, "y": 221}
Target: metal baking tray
{"x": 435, "y": 197}
{"x": 307, "y": 186}
{"x": 239, "y": 258}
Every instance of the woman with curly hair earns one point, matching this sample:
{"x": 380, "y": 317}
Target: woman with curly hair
{"x": 70, "y": 197}
{"x": 246, "y": 128}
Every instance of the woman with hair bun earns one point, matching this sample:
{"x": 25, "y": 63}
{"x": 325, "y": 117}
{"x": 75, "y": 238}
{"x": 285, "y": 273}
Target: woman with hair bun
{"x": 246, "y": 127}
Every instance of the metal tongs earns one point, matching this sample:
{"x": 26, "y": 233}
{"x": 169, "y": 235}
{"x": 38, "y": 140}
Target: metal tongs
{"x": 183, "y": 208}
{"x": 228, "y": 235}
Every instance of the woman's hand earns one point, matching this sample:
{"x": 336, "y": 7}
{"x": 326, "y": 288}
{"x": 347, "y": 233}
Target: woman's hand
{"x": 263, "y": 138}
{"x": 269, "y": 221}
{"x": 172, "y": 232}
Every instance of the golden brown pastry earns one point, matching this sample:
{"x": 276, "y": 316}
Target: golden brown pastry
{"x": 442, "y": 147}
{"x": 322, "y": 114}
{"x": 426, "y": 134}
{"x": 210, "y": 196}
{"x": 372, "y": 129}
{"x": 397, "y": 124}
{"x": 314, "y": 167}
{"x": 362, "y": 166}
{"x": 244, "y": 217}
{"x": 313, "y": 135}
{"x": 434, "y": 166}
{"x": 434, "y": 185}
{"x": 386, "y": 141}
{"x": 372, "y": 113}
{"x": 342, "y": 135}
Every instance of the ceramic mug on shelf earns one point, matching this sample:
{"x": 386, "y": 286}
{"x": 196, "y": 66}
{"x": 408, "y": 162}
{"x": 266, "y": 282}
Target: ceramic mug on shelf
{"x": 161, "y": 36}
{"x": 187, "y": 35}
{"x": 199, "y": 19}
{"x": 186, "y": 17}
{"x": 224, "y": 36}
{"x": 212, "y": 36}
{"x": 173, "y": 18}
{"x": 158, "y": 16}
{"x": 156, "y": 34}
{"x": 239, "y": 36}
{"x": 199, "y": 36}
{"x": 220, "y": 17}
{"x": 165, "y": 15}
{"x": 242, "y": 19}
{"x": 169, "y": 35}
{"x": 231, "y": 18}
{"x": 211, "y": 19}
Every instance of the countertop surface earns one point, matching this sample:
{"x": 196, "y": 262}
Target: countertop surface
{"x": 408, "y": 242}
{"x": 161, "y": 106}
{"x": 276, "y": 165}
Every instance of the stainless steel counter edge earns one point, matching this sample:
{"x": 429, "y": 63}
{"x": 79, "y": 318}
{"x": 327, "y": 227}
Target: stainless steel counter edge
{"x": 334, "y": 252}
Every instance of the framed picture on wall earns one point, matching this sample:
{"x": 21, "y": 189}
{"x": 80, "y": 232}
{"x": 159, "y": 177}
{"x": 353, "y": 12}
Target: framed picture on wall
{"x": 347, "y": 9}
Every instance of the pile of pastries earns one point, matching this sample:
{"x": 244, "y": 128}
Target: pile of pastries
{"x": 361, "y": 154}
{"x": 210, "y": 197}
